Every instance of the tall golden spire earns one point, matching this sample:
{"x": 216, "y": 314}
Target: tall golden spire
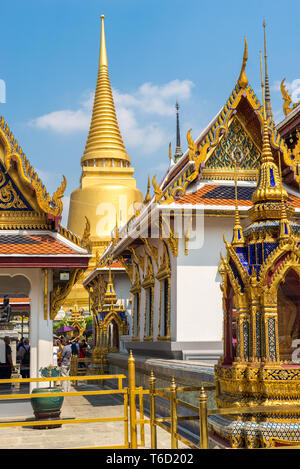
{"x": 104, "y": 139}
{"x": 268, "y": 104}
{"x": 269, "y": 194}
{"x": 148, "y": 196}
{"x": 285, "y": 228}
{"x": 110, "y": 296}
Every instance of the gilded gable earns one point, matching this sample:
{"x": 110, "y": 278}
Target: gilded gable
{"x": 234, "y": 146}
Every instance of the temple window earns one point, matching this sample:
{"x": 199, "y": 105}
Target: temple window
{"x": 148, "y": 312}
{"x": 165, "y": 308}
{"x": 148, "y": 285}
{"x": 136, "y": 292}
{"x": 164, "y": 277}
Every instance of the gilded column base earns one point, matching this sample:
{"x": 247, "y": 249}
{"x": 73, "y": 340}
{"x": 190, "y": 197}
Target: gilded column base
{"x": 245, "y": 385}
{"x": 253, "y": 434}
{"x": 99, "y": 365}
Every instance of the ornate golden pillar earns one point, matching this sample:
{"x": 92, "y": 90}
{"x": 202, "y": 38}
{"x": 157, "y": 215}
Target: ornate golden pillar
{"x": 270, "y": 326}
{"x": 242, "y": 328}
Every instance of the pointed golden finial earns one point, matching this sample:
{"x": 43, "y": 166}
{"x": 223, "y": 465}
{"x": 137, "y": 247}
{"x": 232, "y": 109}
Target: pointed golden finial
{"x": 238, "y": 237}
{"x": 104, "y": 139}
{"x": 103, "y": 53}
{"x": 243, "y": 80}
{"x": 110, "y": 296}
{"x": 148, "y": 196}
{"x": 262, "y": 87}
{"x": 269, "y": 187}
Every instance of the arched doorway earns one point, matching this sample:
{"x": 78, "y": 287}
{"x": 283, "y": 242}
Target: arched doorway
{"x": 14, "y": 304}
{"x": 288, "y": 310}
{"x": 113, "y": 336}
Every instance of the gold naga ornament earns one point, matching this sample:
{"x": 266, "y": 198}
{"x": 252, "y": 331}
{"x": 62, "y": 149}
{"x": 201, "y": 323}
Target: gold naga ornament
{"x": 13, "y": 152}
{"x": 287, "y": 100}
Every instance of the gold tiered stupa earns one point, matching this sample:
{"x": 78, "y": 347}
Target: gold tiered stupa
{"x": 107, "y": 194}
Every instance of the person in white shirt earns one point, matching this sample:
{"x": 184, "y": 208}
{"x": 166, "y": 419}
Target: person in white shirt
{"x": 55, "y": 352}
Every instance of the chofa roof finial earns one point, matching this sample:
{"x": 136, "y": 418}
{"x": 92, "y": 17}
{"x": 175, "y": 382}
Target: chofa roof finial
{"x": 243, "y": 80}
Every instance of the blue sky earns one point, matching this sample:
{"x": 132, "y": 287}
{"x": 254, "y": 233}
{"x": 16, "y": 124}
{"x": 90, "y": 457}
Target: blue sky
{"x": 159, "y": 51}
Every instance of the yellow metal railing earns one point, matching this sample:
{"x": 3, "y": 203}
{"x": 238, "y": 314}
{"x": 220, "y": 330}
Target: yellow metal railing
{"x": 133, "y": 394}
{"x": 120, "y": 390}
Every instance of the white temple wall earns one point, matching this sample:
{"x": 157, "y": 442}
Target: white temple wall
{"x": 173, "y": 293}
{"x": 199, "y": 298}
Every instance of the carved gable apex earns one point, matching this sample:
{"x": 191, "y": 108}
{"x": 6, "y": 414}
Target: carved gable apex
{"x": 24, "y": 200}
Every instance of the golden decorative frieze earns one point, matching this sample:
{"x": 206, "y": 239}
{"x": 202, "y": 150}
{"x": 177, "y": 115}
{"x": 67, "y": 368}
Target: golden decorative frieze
{"x": 295, "y": 152}
{"x": 86, "y": 235}
{"x": 153, "y": 251}
{"x": 136, "y": 285}
{"x": 157, "y": 190}
{"x": 13, "y": 152}
{"x": 187, "y": 236}
{"x": 60, "y": 292}
{"x": 45, "y": 294}
{"x": 148, "y": 279}
{"x": 127, "y": 267}
{"x": 138, "y": 259}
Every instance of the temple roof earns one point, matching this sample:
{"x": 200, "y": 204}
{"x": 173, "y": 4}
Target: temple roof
{"x": 229, "y": 147}
{"x": 104, "y": 139}
{"x": 21, "y": 189}
{"x": 223, "y": 195}
{"x": 41, "y": 243}
{"x": 115, "y": 266}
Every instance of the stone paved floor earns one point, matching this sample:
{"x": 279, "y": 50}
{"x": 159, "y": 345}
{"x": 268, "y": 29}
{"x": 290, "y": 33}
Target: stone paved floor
{"x": 72, "y": 435}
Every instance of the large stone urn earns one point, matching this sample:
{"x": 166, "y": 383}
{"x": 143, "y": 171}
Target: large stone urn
{"x": 48, "y": 407}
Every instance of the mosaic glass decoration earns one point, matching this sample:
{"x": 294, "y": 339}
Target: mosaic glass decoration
{"x": 237, "y": 147}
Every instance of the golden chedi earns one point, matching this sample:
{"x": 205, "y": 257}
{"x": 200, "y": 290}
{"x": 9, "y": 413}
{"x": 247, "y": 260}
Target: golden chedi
{"x": 107, "y": 194}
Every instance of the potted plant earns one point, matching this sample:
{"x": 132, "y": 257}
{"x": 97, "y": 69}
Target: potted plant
{"x": 47, "y": 408}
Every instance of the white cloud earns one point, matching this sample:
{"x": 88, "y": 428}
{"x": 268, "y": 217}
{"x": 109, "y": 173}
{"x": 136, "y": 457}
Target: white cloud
{"x": 139, "y": 114}
{"x": 149, "y": 137}
{"x": 153, "y": 99}
{"x": 64, "y": 122}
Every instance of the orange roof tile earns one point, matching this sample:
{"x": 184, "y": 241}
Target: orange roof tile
{"x": 224, "y": 195}
{"x": 29, "y": 244}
